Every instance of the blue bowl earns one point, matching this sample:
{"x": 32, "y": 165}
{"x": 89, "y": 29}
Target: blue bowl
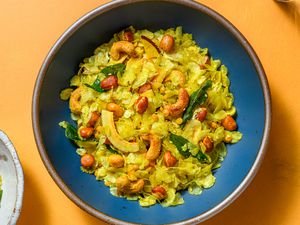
{"x": 248, "y": 84}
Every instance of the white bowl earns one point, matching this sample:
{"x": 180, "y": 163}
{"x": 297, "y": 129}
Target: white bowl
{"x": 12, "y": 182}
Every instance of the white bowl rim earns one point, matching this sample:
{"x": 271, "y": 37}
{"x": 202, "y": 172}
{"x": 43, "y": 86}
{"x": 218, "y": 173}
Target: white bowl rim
{"x": 20, "y": 178}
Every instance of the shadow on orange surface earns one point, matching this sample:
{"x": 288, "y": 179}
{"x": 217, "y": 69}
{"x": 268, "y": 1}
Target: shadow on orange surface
{"x": 265, "y": 200}
{"x": 33, "y": 212}
{"x": 90, "y": 220}
{"x": 292, "y": 11}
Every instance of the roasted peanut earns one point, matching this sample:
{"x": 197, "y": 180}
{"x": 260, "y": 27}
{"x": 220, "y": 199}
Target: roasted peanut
{"x": 201, "y": 115}
{"x": 229, "y": 123}
{"x": 115, "y": 108}
{"x": 116, "y": 161}
{"x": 176, "y": 109}
{"x": 167, "y": 43}
{"x": 109, "y": 82}
{"x": 137, "y": 186}
{"x": 141, "y": 104}
{"x": 159, "y": 192}
{"x": 121, "y": 47}
{"x": 128, "y": 36}
{"x": 93, "y": 119}
{"x": 144, "y": 88}
{"x": 86, "y": 132}
{"x": 123, "y": 184}
{"x": 87, "y": 160}
{"x": 74, "y": 103}
{"x": 206, "y": 62}
{"x": 208, "y": 143}
{"x": 169, "y": 159}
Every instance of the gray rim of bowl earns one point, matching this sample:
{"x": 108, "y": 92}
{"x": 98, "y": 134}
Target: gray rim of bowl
{"x": 20, "y": 178}
{"x": 118, "y": 3}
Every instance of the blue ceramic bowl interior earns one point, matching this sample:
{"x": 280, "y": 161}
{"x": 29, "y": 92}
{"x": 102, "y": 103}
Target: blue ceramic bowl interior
{"x": 208, "y": 32}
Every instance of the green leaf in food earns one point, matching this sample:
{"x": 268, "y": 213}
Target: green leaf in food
{"x": 181, "y": 144}
{"x": 201, "y": 156}
{"x": 109, "y": 148}
{"x": 96, "y": 85}
{"x": 114, "y": 69}
{"x": 71, "y": 132}
{"x": 196, "y": 99}
{"x": 184, "y": 146}
{"x": 1, "y": 192}
{"x": 109, "y": 70}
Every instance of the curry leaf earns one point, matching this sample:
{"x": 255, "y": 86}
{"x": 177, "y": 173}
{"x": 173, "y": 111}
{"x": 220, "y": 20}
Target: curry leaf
{"x": 109, "y": 70}
{"x": 96, "y": 85}
{"x": 196, "y": 99}
{"x": 179, "y": 143}
{"x": 113, "y": 69}
{"x": 71, "y": 133}
{"x": 201, "y": 156}
{"x": 109, "y": 148}
{"x": 184, "y": 146}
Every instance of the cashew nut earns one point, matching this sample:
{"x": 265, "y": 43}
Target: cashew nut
{"x": 155, "y": 146}
{"x": 115, "y": 108}
{"x": 176, "y": 73}
{"x": 178, "y": 107}
{"x": 74, "y": 103}
{"x": 121, "y": 47}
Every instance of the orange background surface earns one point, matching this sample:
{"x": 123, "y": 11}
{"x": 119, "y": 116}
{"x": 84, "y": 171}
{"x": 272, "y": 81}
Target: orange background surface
{"x": 29, "y": 29}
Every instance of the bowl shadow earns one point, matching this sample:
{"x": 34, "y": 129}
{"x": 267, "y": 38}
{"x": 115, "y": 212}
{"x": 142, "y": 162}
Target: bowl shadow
{"x": 276, "y": 182}
{"x": 89, "y": 219}
{"x": 33, "y": 209}
{"x": 292, "y": 11}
